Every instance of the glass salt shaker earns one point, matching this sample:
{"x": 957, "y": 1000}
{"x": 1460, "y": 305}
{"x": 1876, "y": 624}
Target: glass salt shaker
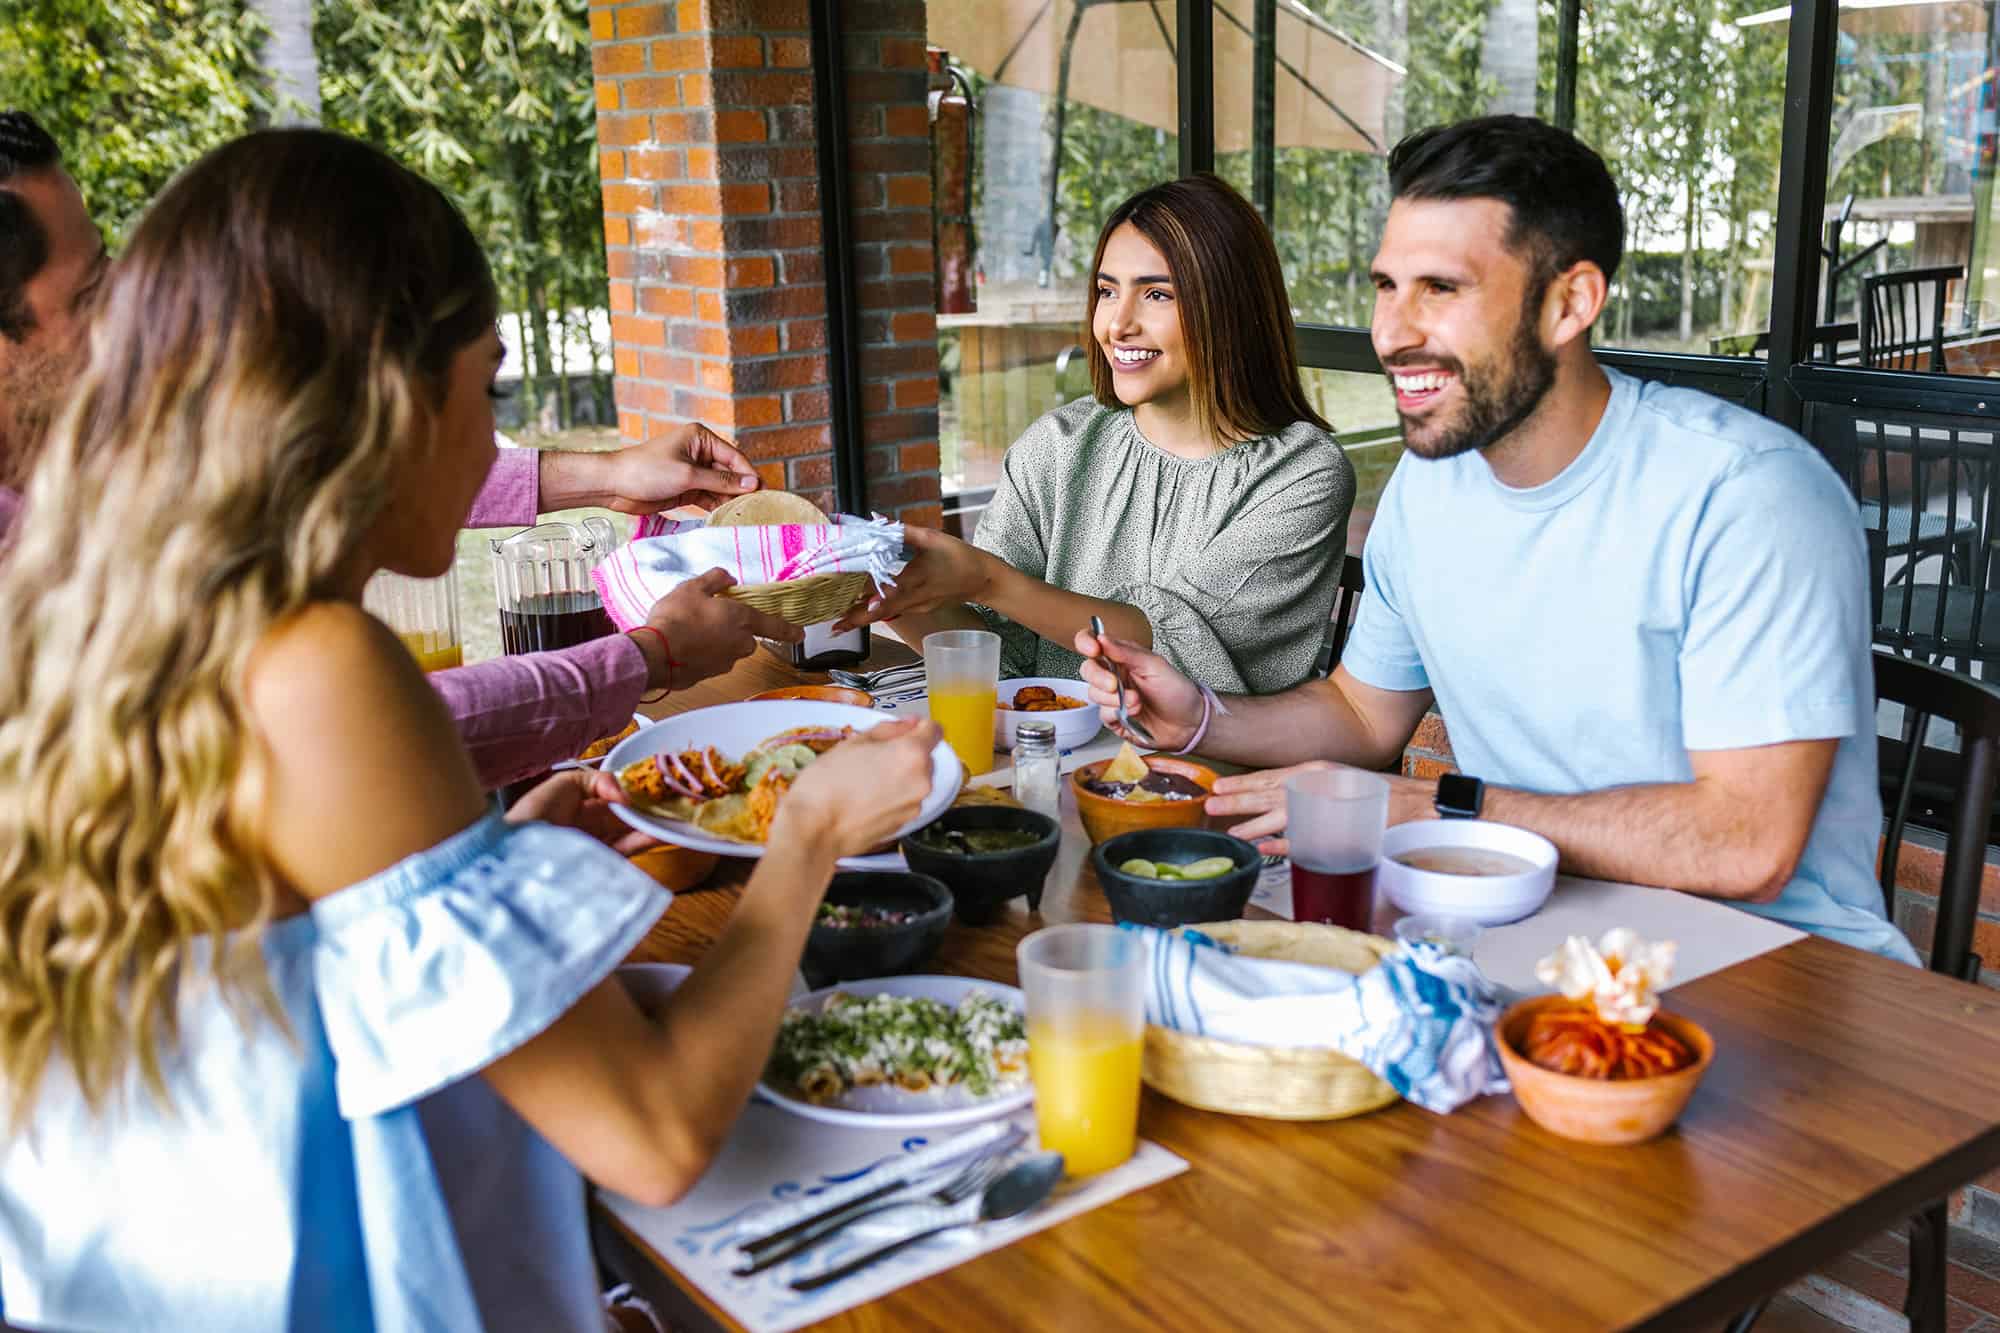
{"x": 1035, "y": 784}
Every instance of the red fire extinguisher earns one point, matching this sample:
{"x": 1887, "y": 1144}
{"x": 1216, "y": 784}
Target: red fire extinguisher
{"x": 951, "y": 184}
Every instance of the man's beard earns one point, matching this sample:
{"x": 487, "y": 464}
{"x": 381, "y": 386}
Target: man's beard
{"x": 31, "y": 387}
{"x": 1498, "y": 400}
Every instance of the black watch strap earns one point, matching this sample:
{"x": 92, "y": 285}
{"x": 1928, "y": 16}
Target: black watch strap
{"x": 1459, "y": 796}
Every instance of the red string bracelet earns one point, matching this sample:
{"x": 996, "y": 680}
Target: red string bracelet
{"x": 666, "y": 648}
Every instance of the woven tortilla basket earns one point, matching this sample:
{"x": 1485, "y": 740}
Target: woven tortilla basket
{"x": 807, "y": 601}
{"x": 1276, "y": 1082}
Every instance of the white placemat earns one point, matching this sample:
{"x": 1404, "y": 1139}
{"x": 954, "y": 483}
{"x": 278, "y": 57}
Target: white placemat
{"x": 773, "y": 1158}
{"x": 1712, "y": 935}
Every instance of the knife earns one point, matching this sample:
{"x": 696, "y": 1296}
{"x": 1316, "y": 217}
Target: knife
{"x": 883, "y": 1180}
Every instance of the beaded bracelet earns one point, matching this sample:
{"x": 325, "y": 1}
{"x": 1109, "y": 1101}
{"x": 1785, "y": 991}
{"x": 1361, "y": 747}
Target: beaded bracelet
{"x": 667, "y": 648}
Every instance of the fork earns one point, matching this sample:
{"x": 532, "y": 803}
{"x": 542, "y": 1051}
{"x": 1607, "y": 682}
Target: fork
{"x": 872, "y": 680}
{"x": 1135, "y": 730}
{"x": 974, "y": 1178}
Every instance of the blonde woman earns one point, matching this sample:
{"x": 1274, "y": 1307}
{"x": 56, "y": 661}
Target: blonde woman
{"x": 1195, "y": 501}
{"x": 295, "y": 1031}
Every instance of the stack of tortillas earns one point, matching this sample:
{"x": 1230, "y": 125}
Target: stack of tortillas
{"x": 807, "y": 601}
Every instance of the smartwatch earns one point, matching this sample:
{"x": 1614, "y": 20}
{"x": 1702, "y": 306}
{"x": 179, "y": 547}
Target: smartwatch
{"x": 1459, "y": 796}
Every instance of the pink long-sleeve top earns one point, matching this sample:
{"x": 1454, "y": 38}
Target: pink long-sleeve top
{"x": 518, "y": 715}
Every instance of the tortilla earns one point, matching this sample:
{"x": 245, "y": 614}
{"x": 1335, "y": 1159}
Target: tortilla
{"x": 1127, "y": 767}
{"x": 761, "y": 509}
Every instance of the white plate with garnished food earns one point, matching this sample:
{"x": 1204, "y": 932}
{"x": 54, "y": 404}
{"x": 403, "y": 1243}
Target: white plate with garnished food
{"x": 711, "y": 779}
{"x": 902, "y": 1053}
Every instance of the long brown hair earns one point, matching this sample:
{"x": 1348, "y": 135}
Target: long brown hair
{"x": 1236, "y": 318}
{"x": 265, "y": 361}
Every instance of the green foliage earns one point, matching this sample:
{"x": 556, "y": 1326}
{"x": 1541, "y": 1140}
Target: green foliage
{"x": 133, "y": 90}
{"x": 492, "y": 99}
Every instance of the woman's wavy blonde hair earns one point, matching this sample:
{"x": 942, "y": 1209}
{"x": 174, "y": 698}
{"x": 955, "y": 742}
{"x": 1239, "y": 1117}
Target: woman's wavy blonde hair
{"x": 267, "y": 353}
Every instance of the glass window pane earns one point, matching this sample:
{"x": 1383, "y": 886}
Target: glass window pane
{"x": 1698, "y": 173}
{"x": 1912, "y": 276}
{"x": 1045, "y": 170}
{"x": 1362, "y": 411}
{"x": 1687, "y": 107}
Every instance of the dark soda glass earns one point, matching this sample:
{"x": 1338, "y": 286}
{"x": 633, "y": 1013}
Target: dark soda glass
{"x": 1336, "y": 898}
{"x": 553, "y": 620}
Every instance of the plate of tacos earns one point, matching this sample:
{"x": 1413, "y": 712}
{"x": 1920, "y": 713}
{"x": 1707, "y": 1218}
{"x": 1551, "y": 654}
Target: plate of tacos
{"x": 712, "y": 779}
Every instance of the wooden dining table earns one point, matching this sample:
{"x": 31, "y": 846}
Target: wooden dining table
{"x": 1847, "y": 1093}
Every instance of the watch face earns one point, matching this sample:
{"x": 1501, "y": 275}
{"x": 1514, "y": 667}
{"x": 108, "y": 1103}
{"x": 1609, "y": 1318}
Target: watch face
{"x": 1459, "y": 794}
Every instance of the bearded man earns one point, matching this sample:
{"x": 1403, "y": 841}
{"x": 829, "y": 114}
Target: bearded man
{"x": 1642, "y": 611}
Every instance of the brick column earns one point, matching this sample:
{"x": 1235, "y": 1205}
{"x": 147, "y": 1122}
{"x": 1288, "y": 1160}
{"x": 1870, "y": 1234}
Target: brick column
{"x": 712, "y": 229}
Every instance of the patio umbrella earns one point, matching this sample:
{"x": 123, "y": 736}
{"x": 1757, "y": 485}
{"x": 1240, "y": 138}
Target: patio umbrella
{"x": 1330, "y": 91}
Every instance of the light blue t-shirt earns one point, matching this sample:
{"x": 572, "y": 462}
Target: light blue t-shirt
{"x": 1695, "y": 580}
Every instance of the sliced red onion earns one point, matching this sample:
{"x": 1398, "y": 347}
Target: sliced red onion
{"x": 678, "y": 776}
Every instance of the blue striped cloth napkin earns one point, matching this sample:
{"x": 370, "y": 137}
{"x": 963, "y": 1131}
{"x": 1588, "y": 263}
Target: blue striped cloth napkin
{"x": 1422, "y": 1019}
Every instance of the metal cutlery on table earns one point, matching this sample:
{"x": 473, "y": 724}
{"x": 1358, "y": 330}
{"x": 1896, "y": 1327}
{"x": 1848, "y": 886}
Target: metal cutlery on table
{"x": 983, "y": 1144}
{"x": 968, "y": 1181}
{"x": 887, "y": 678}
{"x": 1135, "y": 730}
{"x": 1008, "y": 1194}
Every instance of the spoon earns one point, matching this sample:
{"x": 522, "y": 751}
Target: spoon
{"x": 1134, "y": 729}
{"x": 1018, "y": 1188}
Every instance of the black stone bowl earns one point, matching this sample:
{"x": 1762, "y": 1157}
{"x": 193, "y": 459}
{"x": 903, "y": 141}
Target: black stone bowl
{"x": 836, "y": 953}
{"x": 981, "y": 883}
{"x": 1175, "y": 902}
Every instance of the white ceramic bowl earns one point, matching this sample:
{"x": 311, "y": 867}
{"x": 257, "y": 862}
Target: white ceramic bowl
{"x": 1491, "y": 900}
{"x": 1074, "y": 726}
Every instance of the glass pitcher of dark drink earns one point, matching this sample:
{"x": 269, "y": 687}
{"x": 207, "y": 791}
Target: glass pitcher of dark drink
{"x": 541, "y": 580}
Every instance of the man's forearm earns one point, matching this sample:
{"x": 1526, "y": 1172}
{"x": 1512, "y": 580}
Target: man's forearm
{"x": 1671, "y": 835}
{"x": 1312, "y": 721}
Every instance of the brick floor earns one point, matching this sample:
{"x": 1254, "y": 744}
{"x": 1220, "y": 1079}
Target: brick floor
{"x": 1862, "y": 1292}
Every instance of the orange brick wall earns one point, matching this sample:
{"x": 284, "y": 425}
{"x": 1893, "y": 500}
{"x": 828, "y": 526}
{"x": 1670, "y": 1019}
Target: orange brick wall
{"x": 712, "y": 233}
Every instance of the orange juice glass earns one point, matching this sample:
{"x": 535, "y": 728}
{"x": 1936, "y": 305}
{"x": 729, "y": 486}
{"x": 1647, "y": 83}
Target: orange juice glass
{"x": 424, "y": 614}
{"x": 962, "y": 678}
{"x": 1085, "y": 988}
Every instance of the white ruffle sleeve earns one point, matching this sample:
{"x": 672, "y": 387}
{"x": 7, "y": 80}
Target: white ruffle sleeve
{"x": 433, "y": 969}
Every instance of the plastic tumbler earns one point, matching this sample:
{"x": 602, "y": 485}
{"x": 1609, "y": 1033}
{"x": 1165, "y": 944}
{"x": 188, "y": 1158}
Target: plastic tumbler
{"x": 1085, "y": 987}
{"x": 962, "y": 676}
{"x": 1333, "y": 821}
{"x": 424, "y": 614}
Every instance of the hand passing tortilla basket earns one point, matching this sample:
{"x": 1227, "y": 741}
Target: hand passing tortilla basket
{"x": 789, "y": 559}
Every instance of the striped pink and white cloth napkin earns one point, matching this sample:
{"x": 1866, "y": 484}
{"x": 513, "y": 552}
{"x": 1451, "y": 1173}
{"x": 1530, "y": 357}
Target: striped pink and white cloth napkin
{"x": 666, "y": 553}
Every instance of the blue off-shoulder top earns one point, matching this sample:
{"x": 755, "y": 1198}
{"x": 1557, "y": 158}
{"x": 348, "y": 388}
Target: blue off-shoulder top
{"x": 350, "y": 1174}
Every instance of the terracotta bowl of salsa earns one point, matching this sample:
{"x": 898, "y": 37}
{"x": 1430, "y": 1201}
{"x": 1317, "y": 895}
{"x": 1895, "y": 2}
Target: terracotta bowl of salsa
{"x": 1599, "y": 1110}
{"x": 1108, "y": 812}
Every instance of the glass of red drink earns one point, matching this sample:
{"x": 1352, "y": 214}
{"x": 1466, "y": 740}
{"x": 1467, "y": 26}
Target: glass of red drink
{"x": 1334, "y": 820}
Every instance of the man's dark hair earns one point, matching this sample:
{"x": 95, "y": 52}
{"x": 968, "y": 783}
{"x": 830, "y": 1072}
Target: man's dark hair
{"x": 1565, "y": 204}
{"x": 24, "y": 248}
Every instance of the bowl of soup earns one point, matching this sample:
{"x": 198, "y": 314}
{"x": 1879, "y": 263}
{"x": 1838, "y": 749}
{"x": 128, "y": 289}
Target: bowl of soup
{"x": 1468, "y": 868}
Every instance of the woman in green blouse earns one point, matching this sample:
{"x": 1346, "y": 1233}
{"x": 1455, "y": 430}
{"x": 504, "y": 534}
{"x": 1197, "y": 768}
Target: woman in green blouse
{"x": 1195, "y": 501}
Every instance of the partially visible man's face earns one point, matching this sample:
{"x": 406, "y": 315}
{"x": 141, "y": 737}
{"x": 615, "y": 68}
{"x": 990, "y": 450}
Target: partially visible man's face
{"x": 35, "y": 371}
{"x": 1457, "y": 325}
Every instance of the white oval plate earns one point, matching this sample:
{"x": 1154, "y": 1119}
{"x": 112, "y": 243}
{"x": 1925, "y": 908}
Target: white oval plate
{"x": 735, "y": 729}
{"x": 882, "y": 1107}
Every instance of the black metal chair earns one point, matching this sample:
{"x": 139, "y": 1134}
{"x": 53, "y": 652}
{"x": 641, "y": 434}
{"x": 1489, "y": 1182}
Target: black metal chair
{"x": 1902, "y": 318}
{"x": 1927, "y": 485}
{"x": 1927, "y": 692}
{"x": 1345, "y": 603}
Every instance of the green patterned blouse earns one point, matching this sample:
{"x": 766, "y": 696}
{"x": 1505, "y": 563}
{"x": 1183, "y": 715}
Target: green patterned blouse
{"x": 1235, "y": 559}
